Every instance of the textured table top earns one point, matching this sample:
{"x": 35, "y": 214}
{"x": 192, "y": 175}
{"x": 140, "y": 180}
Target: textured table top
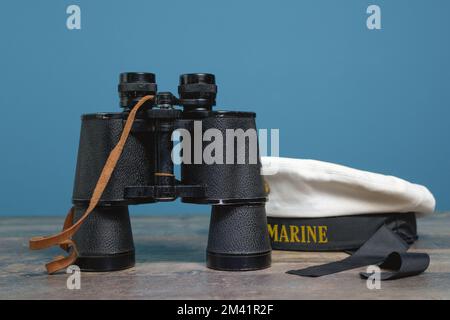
{"x": 170, "y": 265}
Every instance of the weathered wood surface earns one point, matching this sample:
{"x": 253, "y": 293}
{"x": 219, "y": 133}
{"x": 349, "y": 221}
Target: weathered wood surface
{"x": 170, "y": 265}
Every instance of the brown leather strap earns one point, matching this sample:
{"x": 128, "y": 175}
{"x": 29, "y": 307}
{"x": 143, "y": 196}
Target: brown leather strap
{"x": 63, "y": 238}
{"x": 62, "y": 262}
{"x": 68, "y": 222}
{"x": 164, "y": 174}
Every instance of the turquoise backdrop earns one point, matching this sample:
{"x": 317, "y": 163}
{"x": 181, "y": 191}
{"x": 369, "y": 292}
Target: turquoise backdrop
{"x": 371, "y": 99}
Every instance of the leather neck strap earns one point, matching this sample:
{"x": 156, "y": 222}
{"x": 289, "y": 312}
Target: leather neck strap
{"x": 63, "y": 238}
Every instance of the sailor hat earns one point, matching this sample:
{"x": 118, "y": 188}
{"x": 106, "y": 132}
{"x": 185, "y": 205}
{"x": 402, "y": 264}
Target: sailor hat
{"x": 320, "y": 206}
{"x": 311, "y": 189}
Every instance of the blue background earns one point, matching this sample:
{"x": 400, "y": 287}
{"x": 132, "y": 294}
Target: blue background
{"x": 374, "y": 100}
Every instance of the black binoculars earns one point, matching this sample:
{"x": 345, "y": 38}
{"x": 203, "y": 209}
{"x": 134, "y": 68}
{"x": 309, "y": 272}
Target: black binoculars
{"x": 238, "y": 237}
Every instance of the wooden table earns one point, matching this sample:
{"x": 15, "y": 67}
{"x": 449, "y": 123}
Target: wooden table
{"x": 170, "y": 265}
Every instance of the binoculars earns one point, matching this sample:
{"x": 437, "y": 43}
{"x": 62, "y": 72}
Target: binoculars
{"x": 238, "y": 237}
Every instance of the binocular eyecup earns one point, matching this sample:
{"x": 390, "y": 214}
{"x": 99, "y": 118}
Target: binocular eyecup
{"x": 197, "y": 91}
{"x": 135, "y": 85}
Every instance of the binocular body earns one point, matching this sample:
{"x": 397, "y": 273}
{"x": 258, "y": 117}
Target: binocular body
{"x": 232, "y": 184}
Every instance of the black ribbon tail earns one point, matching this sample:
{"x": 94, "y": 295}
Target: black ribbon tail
{"x": 386, "y": 249}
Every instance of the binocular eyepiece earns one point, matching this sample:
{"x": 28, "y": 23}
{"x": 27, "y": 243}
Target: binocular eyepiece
{"x": 135, "y": 85}
{"x": 238, "y": 237}
{"x": 197, "y": 91}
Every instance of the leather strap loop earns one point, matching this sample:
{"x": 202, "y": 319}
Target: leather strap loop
{"x": 62, "y": 262}
{"x": 69, "y": 229}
